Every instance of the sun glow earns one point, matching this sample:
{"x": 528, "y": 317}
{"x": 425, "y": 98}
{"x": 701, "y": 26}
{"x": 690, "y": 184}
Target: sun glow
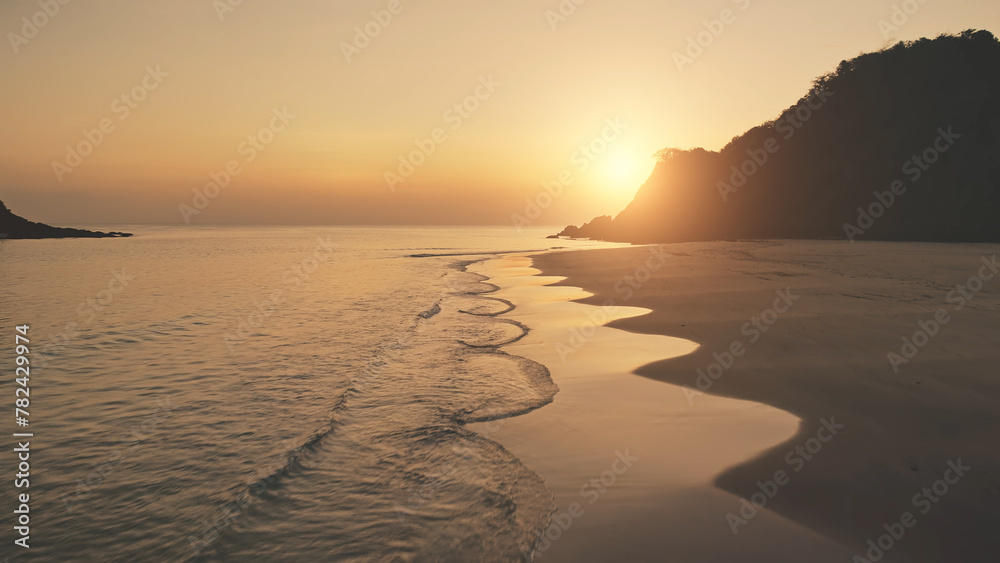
{"x": 623, "y": 170}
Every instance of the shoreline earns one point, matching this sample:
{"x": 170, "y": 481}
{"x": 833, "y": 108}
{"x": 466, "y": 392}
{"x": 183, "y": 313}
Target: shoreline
{"x": 628, "y": 463}
{"x": 823, "y": 358}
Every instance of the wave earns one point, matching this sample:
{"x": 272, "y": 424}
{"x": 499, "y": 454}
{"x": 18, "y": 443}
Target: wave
{"x": 431, "y": 312}
{"x": 496, "y": 253}
{"x": 423, "y": 415}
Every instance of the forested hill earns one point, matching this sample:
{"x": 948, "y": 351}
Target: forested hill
{"x": 899, "y": 144}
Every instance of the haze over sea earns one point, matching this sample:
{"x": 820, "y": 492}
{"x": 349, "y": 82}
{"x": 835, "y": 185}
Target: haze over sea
{"x": 201, "y": 393}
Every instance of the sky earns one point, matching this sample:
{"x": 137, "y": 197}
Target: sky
{"x": 544, "y": 112}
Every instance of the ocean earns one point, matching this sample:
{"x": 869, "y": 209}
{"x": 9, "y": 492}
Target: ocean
{"x": 271, "y": 394}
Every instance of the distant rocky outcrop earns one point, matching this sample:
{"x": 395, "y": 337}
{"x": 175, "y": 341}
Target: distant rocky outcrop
{"x": 14, "y": 227}
{"x": 900, "y": 144}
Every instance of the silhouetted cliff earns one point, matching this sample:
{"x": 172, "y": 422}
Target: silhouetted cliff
{"x": 900, "y": 144}
{"x": 12, "y": 226}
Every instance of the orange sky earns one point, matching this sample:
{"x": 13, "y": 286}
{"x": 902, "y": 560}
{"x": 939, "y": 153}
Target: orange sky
{"x": 185, "y": 90}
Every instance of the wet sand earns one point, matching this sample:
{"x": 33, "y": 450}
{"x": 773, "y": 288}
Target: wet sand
{"x": 629, "y": 460}
{"x": 904, "y": 437}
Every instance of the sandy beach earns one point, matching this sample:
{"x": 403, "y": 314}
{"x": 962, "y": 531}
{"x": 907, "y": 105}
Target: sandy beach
{"x": 801, "y": 427}
{"x": 629, "y": 461}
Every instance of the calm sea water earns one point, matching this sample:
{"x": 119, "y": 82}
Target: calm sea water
{"x": 269, "y": 394}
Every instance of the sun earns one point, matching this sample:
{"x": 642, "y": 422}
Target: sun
{"x": 622, "y": 167}
{"x": 622, "y": 170}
